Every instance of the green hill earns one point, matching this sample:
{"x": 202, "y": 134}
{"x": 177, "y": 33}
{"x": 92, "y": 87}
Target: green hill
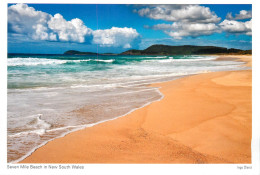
{"x": 75, "y": 52}
{"x": 184, "y": 50}
{"x": 160, "y": 49}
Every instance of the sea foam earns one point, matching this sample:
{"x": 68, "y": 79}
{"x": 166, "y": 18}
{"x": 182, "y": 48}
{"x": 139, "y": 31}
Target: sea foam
{"x": 45, "y": 61}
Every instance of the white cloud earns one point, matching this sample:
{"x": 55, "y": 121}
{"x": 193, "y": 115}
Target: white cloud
{"x": 184, "y": 13}
{"x": 116, "y": 37}
{"x": 188, "y": 20}
{"x": 193, "y": 20}
{"x": 41, "y": 33}
{"x": 243, "y": 14}
{"x": 42, "y": 26}
{"x": 178, "y": 30}
{"x": 236, "y": 27}
{"x": 26, "y": 20}
{"x": 39, "y": 25}
{"x": 73, "y": 30}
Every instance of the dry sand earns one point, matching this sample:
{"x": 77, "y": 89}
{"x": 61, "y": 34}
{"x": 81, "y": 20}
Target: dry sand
{"x": 205, "y": 118}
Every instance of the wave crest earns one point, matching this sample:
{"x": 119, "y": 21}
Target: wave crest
{"x": 45, "y": 61}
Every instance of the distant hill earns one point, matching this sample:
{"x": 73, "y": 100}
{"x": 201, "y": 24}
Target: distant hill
{"x": 185, "y": 50}
{"x": 75, "y": 52}
{"x": 160, "y": 49}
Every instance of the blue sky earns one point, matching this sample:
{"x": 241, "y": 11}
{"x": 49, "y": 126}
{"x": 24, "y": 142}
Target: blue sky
{"x": 56, "y": 28}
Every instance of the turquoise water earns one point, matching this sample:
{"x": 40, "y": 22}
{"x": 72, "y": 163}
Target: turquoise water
{"x": 47, "y": 92}
{"x": 34, "y": 71}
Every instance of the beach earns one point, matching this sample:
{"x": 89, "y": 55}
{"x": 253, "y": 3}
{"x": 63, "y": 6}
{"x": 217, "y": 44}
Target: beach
{"x": 202, "y": 118}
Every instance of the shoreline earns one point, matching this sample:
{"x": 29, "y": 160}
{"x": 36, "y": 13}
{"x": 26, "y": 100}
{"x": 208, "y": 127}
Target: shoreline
{"x": 148, "y": 134}
{"x": 85, "y": 127}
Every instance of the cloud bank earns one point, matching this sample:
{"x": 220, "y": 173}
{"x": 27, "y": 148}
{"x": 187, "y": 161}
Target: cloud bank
{"x": 74, "y": 30}
{"x": 186, "y": 21}
{"x": 194, "y": 20}
{"x": 236, "y": 27}
{"x": 115, "y": 36}
{"x": 39, "y": 25}
{"x": 184, "y": 13}
{"x": 243, "y": 14}
{"x": 26, "y": 20}
{"x": 178, "y": 30}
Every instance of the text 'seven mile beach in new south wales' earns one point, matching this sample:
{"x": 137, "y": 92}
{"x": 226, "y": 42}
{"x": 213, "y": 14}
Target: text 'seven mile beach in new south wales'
{"x": 129, "y": 83}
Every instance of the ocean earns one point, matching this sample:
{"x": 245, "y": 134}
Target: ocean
{"x": 52, "y": 95}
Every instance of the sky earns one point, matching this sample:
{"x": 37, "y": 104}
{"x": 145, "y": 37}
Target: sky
{"x": 114, "y": 28}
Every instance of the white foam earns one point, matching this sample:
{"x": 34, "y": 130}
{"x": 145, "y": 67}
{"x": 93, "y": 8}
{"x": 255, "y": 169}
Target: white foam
{"x": 37, "y": 131}
{"x": 45, "y": 61}
{"x": 32, "y": 61}
{"x": 191, "y": 59}
{"x": 156, "y": 57}
{"x": 132, "y": 81}
{"x": 41, "y": 123}
{"x": 38, "y": 126}
{"x": 96, "y": 86}
{"x": 106, "y": 61}
{"x": 78, "y": 61}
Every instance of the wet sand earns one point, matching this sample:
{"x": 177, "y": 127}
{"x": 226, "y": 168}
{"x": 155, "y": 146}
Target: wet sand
{"x": 205, "y": 118}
